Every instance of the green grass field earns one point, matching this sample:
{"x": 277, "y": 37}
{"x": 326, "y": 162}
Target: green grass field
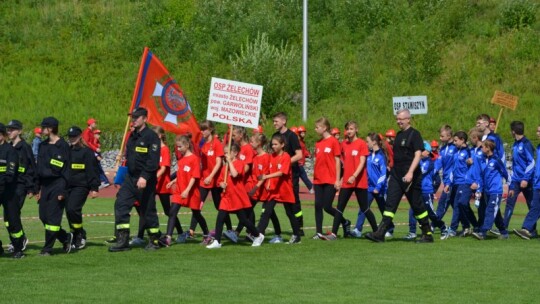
{"x": 457, "y": 270}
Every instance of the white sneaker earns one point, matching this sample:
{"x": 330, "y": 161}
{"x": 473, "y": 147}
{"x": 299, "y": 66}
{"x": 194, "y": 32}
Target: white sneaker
{"x": 136, "y": 241}
{"x": 388, "y": 235}
{"x": 410, "y": 236}
{"x": 356, "y": 233}
{"x": 258, "y": 240}
{"x": 276, "y": 240}
{"x": 311, "y": 191}
{"x": 215, "y": 245}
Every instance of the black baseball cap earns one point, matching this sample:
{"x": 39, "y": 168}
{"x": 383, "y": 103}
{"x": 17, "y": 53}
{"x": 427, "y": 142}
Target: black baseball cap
{"x": 74, "y": 131}
{"x": 3, "y": 129}
{"x": 138, "y": 112}
{"x": 49, "y": 122}
{"x": 14, "y": 124}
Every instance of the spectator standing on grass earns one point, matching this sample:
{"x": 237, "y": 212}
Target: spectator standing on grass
{"x": 302, "y": 161}
{"x": 142, "y": 155}
{"x": 405, "y": 179}
{"x": 326, "y": 174}
{"x": 53, "y": 176}
{"x": 92, "y": 142}
{"x": 102, "y": 177}
{"x": 84, "y": 180}
{"x": 292, "y": 146}
{"x": 36, "y": 141}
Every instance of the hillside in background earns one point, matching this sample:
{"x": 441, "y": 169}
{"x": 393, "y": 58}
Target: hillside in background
{"x": 79, "y": 59}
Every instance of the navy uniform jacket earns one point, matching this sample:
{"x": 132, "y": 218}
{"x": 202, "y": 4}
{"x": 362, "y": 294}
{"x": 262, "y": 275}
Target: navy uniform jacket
{"x": 84, "y": 170}
{"x": 143, "y": 152}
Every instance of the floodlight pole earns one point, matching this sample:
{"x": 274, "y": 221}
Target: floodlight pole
{"x": 305, "y": 64}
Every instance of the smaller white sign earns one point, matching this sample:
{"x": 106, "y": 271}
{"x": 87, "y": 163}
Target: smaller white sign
{"x": 235, "y": 103}
{"x": 415, "y": 104}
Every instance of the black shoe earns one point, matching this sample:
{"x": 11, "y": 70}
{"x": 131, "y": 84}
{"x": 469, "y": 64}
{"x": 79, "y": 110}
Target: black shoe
{"x": 426, "y": 238}
{"x": 375, "y": 237}
{"x": 346, "y": 228}
{"x": 45, "y": 253}
{"x": 18, "y": 255}
{"x": 301, "y": 232}
{"x": 152, "y": 245}
{"x": 122, "y": 243}
{"x": 68, "y": 243}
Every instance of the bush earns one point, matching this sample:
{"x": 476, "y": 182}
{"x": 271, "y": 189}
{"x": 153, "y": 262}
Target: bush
{"x": 517, "y": 14}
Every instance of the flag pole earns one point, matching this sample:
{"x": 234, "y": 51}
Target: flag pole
{"x": 133, "y": 101}
{"x": 229, "y": 153}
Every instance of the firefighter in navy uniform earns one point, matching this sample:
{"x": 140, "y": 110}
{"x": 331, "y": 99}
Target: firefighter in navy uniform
{"x": 9, "y": 164}
{"x": 53, "y": 179}
{"x": 25, "y": 186}
{"x": 142, "y": 155}
{"x": 84, "y": 180}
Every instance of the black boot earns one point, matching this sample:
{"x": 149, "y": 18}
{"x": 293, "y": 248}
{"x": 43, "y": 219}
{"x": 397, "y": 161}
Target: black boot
{"x": 427, "y": 235}
{"x": 378, "y": 236}
{"x": 122, "y": 241}
{"x": 153, "y": 243}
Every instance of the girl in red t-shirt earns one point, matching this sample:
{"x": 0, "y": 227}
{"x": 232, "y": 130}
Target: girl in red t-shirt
{"x": 354, "y": 153}
{"x": 326, "y": 173}
{"x": 234, "y": 198}
{"x": 278, "y": 183}
{"x": 256, "y": 190}
{"x": 211, "y": 158}
{"x": 185, "y": 187}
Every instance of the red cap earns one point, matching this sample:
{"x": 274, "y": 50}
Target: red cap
{"x": 492, "y": 120}
{"x": 335, "y": 131}
{"x": 390, "y": 133}
{"x": 294, "y": 129}
{"x": 37, "y": 130}
{"x": 434, "y": 144}
{"x": 90, "y": 121}
{"x": 259, "y": 129}
{"x": 301, "y": 129}
{"x": 98, "y": 131}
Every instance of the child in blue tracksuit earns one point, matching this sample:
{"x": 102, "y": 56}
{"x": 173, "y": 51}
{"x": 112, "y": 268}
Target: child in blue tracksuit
{"x": 493, "y": 171}
{"x": 462, "y": 210}
{"x": 446, "y": 159}
{"x": 534, "y": 212}
{"x": 428, "y": 190}
{"x": 522, "y": 170}
{"x": 376, "y": 171}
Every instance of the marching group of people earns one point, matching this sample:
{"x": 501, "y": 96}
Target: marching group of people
{"x": 251, "y": 168}
{"x": 59, "y": 174}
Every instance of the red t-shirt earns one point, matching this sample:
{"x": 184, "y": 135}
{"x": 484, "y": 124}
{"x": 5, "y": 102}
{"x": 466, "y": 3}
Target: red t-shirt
{"x": 246, "y": 156}
{"x": 234, "y": 197}
{"x": 390, "y": 154}
{"x": 350, "y": 154}
{"x": 210, "y": 151}
{"x": 165, "y": 178}
{"x": 89, "y": 139}
{"x": 326, "y": 150}
{"x": 260, "y": 167}
{"x": 305, "y": 153}
{"x": 188, "y": 168}
{"x": 280, "y": 188}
